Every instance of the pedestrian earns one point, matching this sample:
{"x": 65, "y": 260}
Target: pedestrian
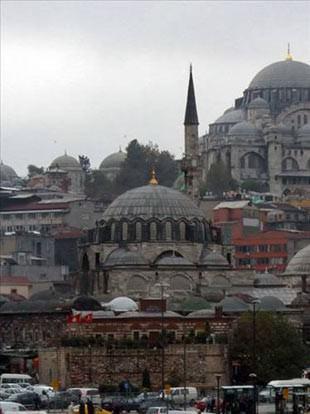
{"x": 90, "y": 406}
{"x": 82, "y": 407}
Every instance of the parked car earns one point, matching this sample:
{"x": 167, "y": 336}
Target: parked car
{"x": 61, "y": 400}
{"x": 154, "y": 402}
{"x": 157, "y": 410}
{"x": 8, "y": 407}
{"x": 143, "y": 396}
{"x": 124, "y": 404}
{"x": 30, "y": 400}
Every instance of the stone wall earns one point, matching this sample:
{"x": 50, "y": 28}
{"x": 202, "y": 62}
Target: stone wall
{"x": 91, "y": 366}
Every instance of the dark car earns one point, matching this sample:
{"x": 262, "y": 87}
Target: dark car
{"x": 62, "y": 399}
{"x": 123, "y": 404}
{"x": 30, "y": 400}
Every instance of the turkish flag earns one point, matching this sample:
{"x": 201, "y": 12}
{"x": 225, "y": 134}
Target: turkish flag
{"x": 87, "y": 318}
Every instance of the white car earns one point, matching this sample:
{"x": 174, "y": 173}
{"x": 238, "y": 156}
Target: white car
{"x": 8, "y": 407}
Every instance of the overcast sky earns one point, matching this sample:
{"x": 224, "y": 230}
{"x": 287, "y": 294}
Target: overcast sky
{"x": 89, "y": 76}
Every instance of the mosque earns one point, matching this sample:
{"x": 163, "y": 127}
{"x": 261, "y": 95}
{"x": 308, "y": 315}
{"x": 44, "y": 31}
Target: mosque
{"x": 264, "y": 137}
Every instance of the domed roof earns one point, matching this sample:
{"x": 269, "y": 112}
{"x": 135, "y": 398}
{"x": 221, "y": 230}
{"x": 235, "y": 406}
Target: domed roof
{"x": 271, "y": 303}
{"x": 231, "y": 116}
{"x": 300, "y": 263}
{"x": 152, "y": 201}
{"x": 233, "y": 304}
{"x": 258, "y": 103}
{"x": 86, "y": 303}
{"x": 193, "y": 303}
{"x": 284, "y": 74}
{"x": 304, "y": 131}
{"x": 7, "y": 173}
{"x": 244, "y": 129}
{"x": 213, "y": 259}
{"x": 122, "y": 304}
{"x": 114, "y": 160}
{"x": 267, "y": 279}
{"x": 124, "y": 257}
{"x": 65, "y": 161}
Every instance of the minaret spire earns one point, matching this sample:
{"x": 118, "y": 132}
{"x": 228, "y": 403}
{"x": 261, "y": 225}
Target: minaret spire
{"x": 191, "y": 117}
{"x": 289, "y": 56}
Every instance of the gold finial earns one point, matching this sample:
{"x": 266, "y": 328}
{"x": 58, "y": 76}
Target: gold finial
{"x": 153, "y": 180}
{"x": 289, "y": 56}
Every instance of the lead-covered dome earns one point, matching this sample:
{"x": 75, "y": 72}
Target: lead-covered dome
{"x": 114, "y": 160}
{"x": 299, "y": 265}
{"x": 283, "y": 74}
{"x": 245, "y": 129}
{"x": 231, "y": 116}
{"x": 65, "y": 162}
{"x": 150, "y": 202}
{"x": 7, "y": 173}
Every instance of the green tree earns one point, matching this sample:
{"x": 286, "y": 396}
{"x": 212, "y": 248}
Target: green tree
{"x": 218, "y": 180}
{"x": 280, "y": 352}
{"x": 140, "y": 160}
{"x": 34, "y": 170}
{"x": 98, "y": 186}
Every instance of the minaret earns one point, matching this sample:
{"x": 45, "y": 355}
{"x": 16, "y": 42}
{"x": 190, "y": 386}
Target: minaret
{"x": 190, "y": 161}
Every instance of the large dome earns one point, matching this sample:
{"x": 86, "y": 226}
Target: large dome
{"x": 65, "y": 161}
{"x": 7, "y": 173}
{"x": 300, "y": 263}
{"x": 114, "y": 160}
{"x": 152, "y": 201}
{"x": 244, "y": 129}
{"x": 284, "y": 74}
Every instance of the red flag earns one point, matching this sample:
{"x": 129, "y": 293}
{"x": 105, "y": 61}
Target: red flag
{"x": 88, "y": 318}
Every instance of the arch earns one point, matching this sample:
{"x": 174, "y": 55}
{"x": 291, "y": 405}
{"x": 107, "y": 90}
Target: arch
{"x": 289, "y": 163}
{"x": 137, "y": 283}
{"x": 220, "y": 280}
{"x": 168, "y": 253}
{"x": 253, "y": 161}
{"x": 180, "y": 282}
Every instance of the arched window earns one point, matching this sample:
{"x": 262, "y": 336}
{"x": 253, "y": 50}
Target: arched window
{"x": 180, "y": 282}
{"x": 289, "y": 164}
{"x": 182, "y": 230}
{"x": 168, "y": 229}
{"x": 138, "y": 231}
{"x": 242, "y": 162}
{"x": 153, "y": 231}
{"x": 113, "y": 231}
{"x": 137, "y": 283}
{"x": 124, "y": 231}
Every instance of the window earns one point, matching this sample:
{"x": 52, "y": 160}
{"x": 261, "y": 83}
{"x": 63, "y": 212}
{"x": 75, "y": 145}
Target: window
{"x": 168, "y": 231}
{"x": 138, "y": 231}
{"x": 305, "y": 119}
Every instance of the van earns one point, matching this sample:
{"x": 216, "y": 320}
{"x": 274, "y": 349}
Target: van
{"x": 180, "y": 394}
{"x": 15, "y": 379}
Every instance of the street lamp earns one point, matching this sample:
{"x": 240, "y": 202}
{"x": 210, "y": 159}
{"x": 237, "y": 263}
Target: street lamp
{"x": 218, "y": 379}
{"x": 253, "y": 375}
{"x": 162, "y": 286}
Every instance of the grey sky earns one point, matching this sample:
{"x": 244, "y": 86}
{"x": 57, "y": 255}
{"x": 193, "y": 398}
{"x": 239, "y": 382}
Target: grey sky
{"x": 90, "y": 76}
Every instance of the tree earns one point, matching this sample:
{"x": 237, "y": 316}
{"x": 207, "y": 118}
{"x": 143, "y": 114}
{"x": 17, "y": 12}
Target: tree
{"x": 218, "y": 180}
{"x": 280, "y": 352}
{"x": 98, "y": 186}
{"x": 34, "y": 170}
{"x": 140, "y": 160}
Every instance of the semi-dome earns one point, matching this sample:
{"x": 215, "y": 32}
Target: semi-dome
{"x": 152, "y": 201}
{"x": 65, "y": 161}
{"x": 231, "y": 116}
{"x": 300, "y": 263}
{"x": 258, "y": 103}
{"x": 271, "y": 303}
{"x": 232, "y": 304}
{"x": 7, "y": 173}
{"x": 213, "y": 259}
{"x": 244, "y": 129}
{"x": 114, "y": 160}
{"x": 124, "y": 257}
{"x": 283, "y": 74}
{"x": 122, "y": 304}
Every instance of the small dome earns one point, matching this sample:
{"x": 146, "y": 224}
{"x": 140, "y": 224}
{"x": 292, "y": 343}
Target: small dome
{"x": 114, "y": 160}
{"x": 258, "y": 103}
{"x": 300, "y": 263}
{"x": 214, "y": 295}
{"x": 124, "y": 257}
{"x": 65, "y": 161}
{"x": 283, "y": 74}
{"x": 267, "y": 279}
{"x": 122, "y": 304}
{"x": 191, "y": 304}
{"x": 7, "y": 173}
{"x": 233, "y": 304}
{"x": 86, "y": 303}
{"x": 231, "y": 116}
{"x": 304, "y": 132}
{"x": 213, "y": 259}
{"x": 302, "y": 299}
{"x": 271, "y": 303}
{"x": 244, "y": 129}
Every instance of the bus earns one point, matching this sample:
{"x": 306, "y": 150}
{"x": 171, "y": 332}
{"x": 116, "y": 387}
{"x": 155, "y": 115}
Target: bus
{"x": 15, "y": 379}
